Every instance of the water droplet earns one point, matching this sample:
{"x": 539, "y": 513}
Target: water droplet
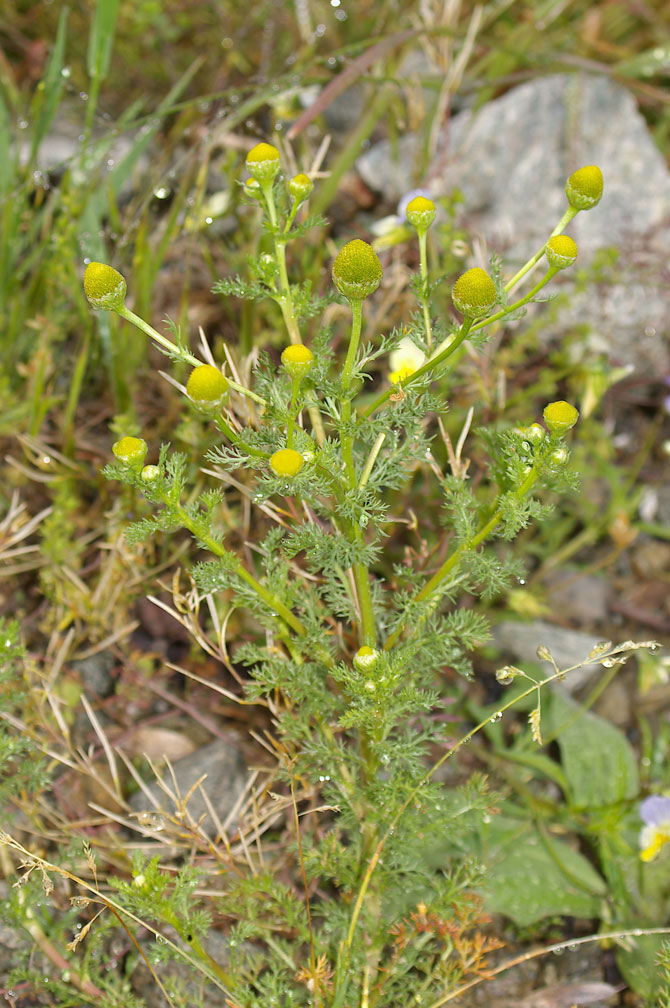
{"x": 66, "y": 72}
{"x": 22, "y": 124}
{"x": 161, "y": 940}
{"x": 162, "y": 192}
{"x": 83, "y": 96}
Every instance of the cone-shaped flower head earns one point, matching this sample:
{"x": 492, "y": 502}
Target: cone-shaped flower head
{"x": 297, "y": 359}
{"x": 300, "y": 187}
{"x": 585, "y": 187}
{"x": 104, "y": 286}
{"x": 560, "y": 416}
{"x": 206, "y": 386}
{"x": 561, "y": 251}
{"x": 286, "y": 462}
{"x": 357, "y": 271}
{"x": 263, "y": 162}
{"x": 131, "y": 450}
{"x": 474, "y": 293}
{"x": 420, "y": 213}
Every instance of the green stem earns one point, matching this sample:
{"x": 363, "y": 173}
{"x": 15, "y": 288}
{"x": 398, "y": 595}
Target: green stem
{"x": 440, "y": 575}
{"x": 177, "y": 352}
{"x": 232, "y": 436}
{"x": 551, "y": 272}
{"x": 423, "y": 235}
{"x": 346, "y": 440}
{"x": 200, "y": 951}
{"x": 285, "y": 298}
{"x": 293, "y": 411}
{"x": 565, "y": 219}
{"x": 355, "y": 534}
{"x": 442, "y": 353}
{"x": 274, "y": 604}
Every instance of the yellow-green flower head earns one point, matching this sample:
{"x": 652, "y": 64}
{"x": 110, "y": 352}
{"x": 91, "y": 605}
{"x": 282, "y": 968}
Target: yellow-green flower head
{"x": 365, "y": 658}
{"x": 300, "y": 187}
{"x": 130, "y": 450}
{"x": 474, "y": 293}
{"x": 357, "y": 271}
{"x": 585, "y": 187}
{"x": 297, "y": 359}
{"x": 286, "y": 462}
{"x": 420, "y": 213}
{"x": 263, "y": 162}
{"x": 561, "y": 251}
{"x": 405, "y": 360}
{"x": 104, "y": 286}
{"x": 560, "y": 416}
{"x": 206, "y": 386}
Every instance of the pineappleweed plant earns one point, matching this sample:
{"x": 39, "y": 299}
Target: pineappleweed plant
{"x": 345, "y": 647}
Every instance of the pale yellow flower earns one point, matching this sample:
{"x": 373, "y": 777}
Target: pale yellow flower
{"x": 405, "y": 360}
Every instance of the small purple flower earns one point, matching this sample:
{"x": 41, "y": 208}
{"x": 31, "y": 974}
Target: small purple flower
{"x": 655, "y": 813}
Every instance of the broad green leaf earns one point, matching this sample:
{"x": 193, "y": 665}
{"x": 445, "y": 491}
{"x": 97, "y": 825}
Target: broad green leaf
{"x": 638, "y": 964}
{"x": 531, "y": 876}
{"x": 599, "y": 764}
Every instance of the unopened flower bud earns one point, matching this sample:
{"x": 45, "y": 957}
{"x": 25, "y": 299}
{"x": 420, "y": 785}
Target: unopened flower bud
{"x": 357, "y": 271}
{"x": 584, "y": 187}
{"x": 206, "y": 387}
{"x": 286, "y": 462}
{"x": 263, "y": 162}
{"x": 104, "y": 286}
{"x": 297, "y": 359}
{"x": 131, "y": 451}
{"x": 535, "y": 433}
{"x": 150, "y": 473}
{"x": 560, "y": 417}
{"x": 474, "y": 293}
{"x": 365, "y": 658}
{"x": 300, "y": 187}
{"x": 252, "y": 188}
{"x": 420, "y": 213}
{"x": 559, "y": 456}
{"x": 561, "y": 251}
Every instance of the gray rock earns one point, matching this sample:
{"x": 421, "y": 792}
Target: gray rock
{"x": 568, "y": 648}
{"x": 579, "y": 598}
{"x": 511, "y": 159}
{"x": 226, "y": 772}
{"x": 96, "y": 672}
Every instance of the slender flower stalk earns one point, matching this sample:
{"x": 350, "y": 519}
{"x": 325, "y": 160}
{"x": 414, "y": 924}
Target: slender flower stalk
{"x": 178, "y": 353}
